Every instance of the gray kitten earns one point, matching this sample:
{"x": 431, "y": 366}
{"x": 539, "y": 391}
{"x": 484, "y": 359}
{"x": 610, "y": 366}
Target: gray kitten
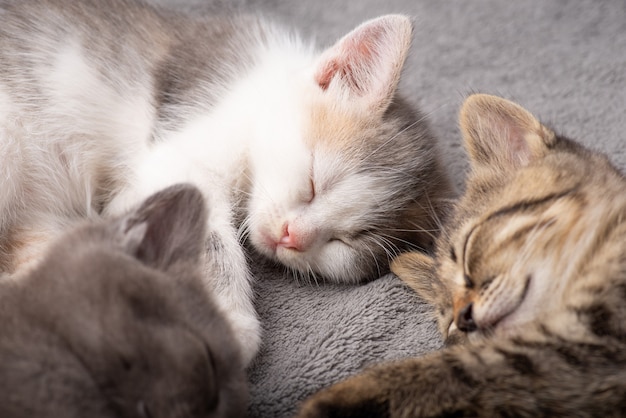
{"x": 115, "y": 322}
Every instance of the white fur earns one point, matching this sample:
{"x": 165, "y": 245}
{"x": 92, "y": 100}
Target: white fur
{"x": 91, "y": 130}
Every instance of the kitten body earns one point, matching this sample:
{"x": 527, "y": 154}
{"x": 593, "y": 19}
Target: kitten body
{"x": 531, "y": 268}
{"x": 309, "y": 155}
{"x": 114, "y": 322}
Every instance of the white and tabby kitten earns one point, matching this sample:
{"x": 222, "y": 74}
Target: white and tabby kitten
{"x": 310, "y": 156}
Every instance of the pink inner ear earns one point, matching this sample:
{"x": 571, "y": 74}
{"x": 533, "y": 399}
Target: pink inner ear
{"x": 325, "y": 74}
{"x": 510, "y": 131}
{"x": 518, "y": 148}
{"x": 353, "y": 59}
{"x": 504, "y": 137}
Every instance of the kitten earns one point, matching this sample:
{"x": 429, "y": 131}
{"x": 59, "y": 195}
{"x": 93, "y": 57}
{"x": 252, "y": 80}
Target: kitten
{"x": 310, "y": 156}
{"x": 531, "y": 266}
{"x": 114, "y": 322}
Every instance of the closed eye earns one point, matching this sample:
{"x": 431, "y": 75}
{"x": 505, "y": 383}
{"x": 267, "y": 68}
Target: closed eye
{"x": 312, "y": 191}
{"x": 469, "y": 283}
{"x": 341, "y": 240}
{"x": 347, "y": 240}
{"x": 485, "y": 284}
{"x": 360, "y": 234}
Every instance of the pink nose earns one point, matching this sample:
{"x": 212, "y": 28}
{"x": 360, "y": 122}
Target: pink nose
{"x": 290, "y": 239}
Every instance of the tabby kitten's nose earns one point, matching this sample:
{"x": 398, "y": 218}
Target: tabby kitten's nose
{"x": 464, "y": 320}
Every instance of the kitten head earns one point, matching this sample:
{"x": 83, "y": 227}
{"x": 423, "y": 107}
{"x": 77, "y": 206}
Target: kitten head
{"x": 117, "y": 319}
{"x": 359, "y": 177}
{"x": 536, "y": 205}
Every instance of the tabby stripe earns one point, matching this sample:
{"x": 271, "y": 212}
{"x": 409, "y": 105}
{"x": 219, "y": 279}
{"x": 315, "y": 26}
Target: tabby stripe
{"x": 575, "y": 354}
{"x": 521, "y": 206}
{"x": 599, "y": 318}
{"x": 526, "y": 205}
{"x": 478, "y": 358}
{"x": 604, "y": 235}
{"x": 566, "y": 354}
{"x": 520, "y": 362}
{"x": 459, "y": 372}
{"x": 521, "y": 232}
{"x": 622, "y": 289}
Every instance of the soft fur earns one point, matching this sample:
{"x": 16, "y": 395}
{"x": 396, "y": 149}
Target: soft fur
{"x": 309, "y": 155}
{"x": 114, "y": 322}
{"x": 531, "y": 267}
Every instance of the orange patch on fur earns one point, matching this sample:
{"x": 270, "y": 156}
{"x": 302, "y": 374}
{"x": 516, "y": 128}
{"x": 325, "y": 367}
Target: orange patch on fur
{"x": 460, "y": 301}
{"x": 334, "y": 126}
{"x": 23, "y": 250}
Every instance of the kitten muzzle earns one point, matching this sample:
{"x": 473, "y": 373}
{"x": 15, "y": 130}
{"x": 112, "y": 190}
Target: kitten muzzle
{"x": 465, "y": 320}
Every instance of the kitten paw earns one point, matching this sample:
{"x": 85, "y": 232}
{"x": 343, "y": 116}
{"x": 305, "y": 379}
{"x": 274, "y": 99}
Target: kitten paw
{"x": 247, "y": 331}
{"x": 360, "y": 396}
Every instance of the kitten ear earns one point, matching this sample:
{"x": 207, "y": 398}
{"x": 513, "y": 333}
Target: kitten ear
{"x": 501, "y": 134}
{"x": 417, "y": 271}
{"x": 365, "y": 65}
{"x": 167, "y": 228}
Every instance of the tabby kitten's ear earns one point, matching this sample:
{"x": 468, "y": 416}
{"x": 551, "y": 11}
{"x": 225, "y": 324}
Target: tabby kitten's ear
{"x": 365, "y": 65}
{"x": 167, "y": 228}
{"x": 501, "y": 134}
{"x": 417, "y": 270}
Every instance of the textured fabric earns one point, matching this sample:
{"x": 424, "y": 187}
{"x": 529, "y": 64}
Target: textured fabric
{"x": 564, "y": 61}
{"x": 316, "y": 335}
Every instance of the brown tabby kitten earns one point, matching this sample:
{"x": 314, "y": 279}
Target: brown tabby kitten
{"x": 532, "y": 268}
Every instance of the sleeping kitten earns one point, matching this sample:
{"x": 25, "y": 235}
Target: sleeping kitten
{"x": 114, "y": 322}
{"x": 311, "y": 156}
{"x": 532, "y": 268}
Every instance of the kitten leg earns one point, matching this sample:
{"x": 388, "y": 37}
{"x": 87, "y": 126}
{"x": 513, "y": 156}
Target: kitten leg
{"x": 229, "y": 278}
{"x": 359, "y": 396}
{"x": 226, "y": 275}
{"x": 411, "y": 388}
{"x": 543, "y": 379}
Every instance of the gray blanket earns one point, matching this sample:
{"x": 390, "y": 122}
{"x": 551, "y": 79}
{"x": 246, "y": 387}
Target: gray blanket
{"x": 563, "y": 60}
